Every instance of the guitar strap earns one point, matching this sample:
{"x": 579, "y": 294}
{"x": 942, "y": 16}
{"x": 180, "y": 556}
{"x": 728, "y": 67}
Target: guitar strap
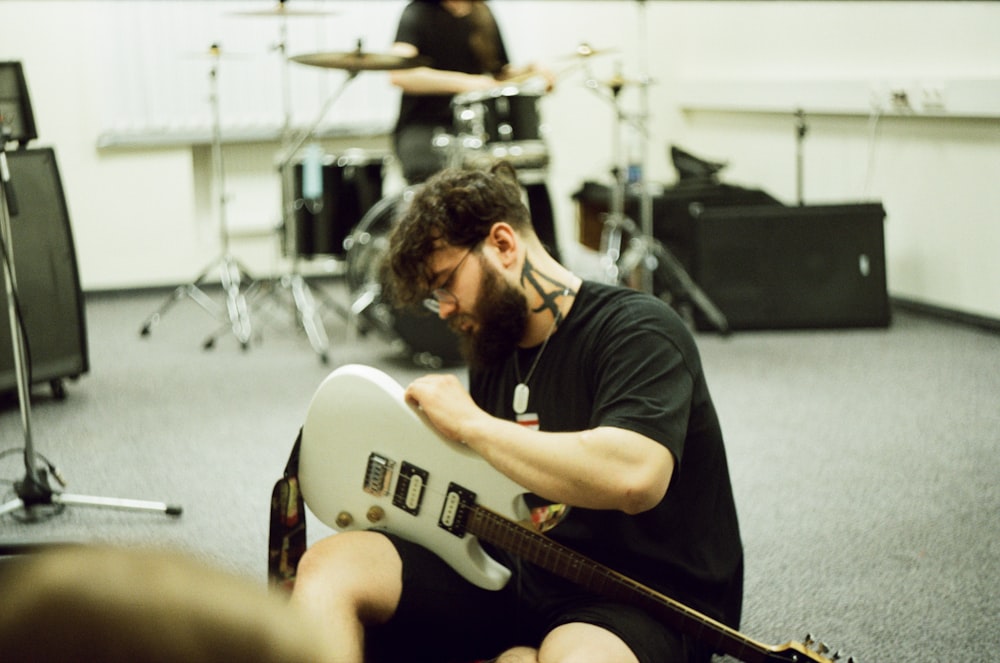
{"x": 287, "y": 536}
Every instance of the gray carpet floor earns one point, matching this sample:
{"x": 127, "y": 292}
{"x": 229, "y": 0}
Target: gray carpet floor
{"x": 864, "y": 461}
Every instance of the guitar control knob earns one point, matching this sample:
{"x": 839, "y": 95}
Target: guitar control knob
{"x": 375, "y": 514}
{"x": 344, "y": 520}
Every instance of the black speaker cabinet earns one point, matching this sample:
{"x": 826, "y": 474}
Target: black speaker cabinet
{"x": 48, "y": 284}
{"x": 775, "y": 267}
{"x": 673, "y": 211}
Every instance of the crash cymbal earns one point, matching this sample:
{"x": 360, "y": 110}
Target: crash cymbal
{"x": 585, "y": 50}
{"x": 282, "y": 9}
{"x": 358, "y": 61}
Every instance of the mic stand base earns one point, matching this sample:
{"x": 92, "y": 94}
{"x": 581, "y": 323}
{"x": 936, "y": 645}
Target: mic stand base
{"x": 37, "y": 501}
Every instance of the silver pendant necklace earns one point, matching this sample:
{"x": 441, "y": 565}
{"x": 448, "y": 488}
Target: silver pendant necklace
{"x": 521, "y": 391}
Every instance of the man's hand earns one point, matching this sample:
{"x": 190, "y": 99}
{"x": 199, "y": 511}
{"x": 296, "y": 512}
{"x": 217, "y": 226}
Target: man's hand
{"x": 445, "y": 402}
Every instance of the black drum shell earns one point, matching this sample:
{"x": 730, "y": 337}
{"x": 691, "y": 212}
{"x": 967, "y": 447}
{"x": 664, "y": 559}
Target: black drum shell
{"x": 352, "y": 184}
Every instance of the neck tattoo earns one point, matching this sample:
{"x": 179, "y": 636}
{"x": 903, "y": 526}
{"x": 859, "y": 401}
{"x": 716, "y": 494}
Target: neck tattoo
{"x": 521, "y": 391}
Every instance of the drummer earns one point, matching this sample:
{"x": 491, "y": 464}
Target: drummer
{"x": 463, "y": 52}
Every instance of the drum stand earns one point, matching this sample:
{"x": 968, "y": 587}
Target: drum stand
{"x": 294, "y": 284}
{"x": 645, "y": 256}
{"x": 232, "y": 274}
{"x": 303, "y": 298}
{"x": 33, "y": 494}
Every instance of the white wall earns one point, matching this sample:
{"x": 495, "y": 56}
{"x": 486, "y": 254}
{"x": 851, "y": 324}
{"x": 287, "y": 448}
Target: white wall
{"x": 726, "y": 78}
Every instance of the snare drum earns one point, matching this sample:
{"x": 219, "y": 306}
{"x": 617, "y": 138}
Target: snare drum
{"x": 351, "y": 184}
{"x": 502, "y": 123}
{"x": 426, "y": 336}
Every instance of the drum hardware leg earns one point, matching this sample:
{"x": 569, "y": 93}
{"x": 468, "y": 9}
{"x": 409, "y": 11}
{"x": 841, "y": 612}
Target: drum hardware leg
{"x": 235, "y": 315}
{"x": 308, "y": 305}
{"x": 368, "y": 295}
{"x": 309, "y": 316}
{"x": 232, "y": 275}
{"x": 237, "y": 312}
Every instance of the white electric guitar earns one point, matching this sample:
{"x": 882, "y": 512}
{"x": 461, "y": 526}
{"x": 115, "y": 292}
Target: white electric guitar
{"x": 371, "y": 461}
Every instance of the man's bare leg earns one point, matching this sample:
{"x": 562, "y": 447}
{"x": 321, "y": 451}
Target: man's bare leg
{"x": 346, "y": 581}
{"x": 578, "y": 643}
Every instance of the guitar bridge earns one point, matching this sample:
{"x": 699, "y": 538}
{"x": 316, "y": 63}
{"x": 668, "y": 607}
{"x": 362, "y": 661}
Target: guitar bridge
{"x": 454, "y": 511}
{"x": 378, "y": 475}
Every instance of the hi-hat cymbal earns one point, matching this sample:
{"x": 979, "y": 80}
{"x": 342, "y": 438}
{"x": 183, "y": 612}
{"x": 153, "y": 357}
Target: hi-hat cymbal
{"x": 215, "y": 52}
{"x": 358, "y": 61}
{"x": 618, "y": 82}
{"x": 585, "y": 50}
{"x": 282, "y": 9}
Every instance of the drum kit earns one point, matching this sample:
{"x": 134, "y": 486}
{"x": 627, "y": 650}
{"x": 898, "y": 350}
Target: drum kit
{"x": 333, "y": 204}
{"x": 352, "y": 181}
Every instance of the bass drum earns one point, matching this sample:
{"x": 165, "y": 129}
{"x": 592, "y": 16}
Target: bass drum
{"x": 425, "y": 335}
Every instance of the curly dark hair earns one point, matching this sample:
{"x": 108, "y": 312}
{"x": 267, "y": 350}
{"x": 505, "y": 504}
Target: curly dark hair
{"x": 457, "y": 206}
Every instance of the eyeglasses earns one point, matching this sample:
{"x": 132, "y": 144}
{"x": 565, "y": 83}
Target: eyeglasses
{"x": 442, "y": 295}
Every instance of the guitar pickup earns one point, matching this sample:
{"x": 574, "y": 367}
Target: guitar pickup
{"x": 454, "y": 511}
{"x": 378, "y": 475}
{"x": 409, "y": 493}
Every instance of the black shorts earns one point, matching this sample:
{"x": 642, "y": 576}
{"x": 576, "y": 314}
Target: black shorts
{"x": 442, "y": 617}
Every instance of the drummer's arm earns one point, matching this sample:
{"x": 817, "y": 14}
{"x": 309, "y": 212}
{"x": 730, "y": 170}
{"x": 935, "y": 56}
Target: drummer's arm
{"x": 527, "y": 72}
{"x": 425, "y": 80}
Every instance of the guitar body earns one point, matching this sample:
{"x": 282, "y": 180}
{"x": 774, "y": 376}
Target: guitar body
{"x": 369, "y": 460}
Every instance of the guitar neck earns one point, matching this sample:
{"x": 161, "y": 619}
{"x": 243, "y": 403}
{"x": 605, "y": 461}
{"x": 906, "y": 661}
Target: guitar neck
{"x": 566, "y": 563}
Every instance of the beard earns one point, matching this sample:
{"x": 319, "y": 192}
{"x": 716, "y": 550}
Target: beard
{"x": 501, "y": 314}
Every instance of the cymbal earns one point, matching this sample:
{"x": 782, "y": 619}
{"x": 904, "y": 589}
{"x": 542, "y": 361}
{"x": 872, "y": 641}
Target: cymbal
{"x": 282, "y": 9}
{"x": 585, "y": 50}
{"x": 358, "y": 61}
{"x": 215, "y": 52}
{"x": 618, "y": 82}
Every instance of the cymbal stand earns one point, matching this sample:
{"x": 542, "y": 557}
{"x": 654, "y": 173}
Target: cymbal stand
{"x": 301, "y": 292}
{"x": 645, "y": 256}
{"x": 33, "y": 495}
{"x": 306, "y": 312}
{"x": 232, "y": 274}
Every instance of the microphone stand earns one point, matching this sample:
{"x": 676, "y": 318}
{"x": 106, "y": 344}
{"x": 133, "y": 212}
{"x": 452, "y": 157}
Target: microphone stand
{"x": 801, "y": 128}
{"x": 33, "y": 494}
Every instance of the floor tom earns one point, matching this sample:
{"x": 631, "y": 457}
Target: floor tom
{"x": 350, "y": 183}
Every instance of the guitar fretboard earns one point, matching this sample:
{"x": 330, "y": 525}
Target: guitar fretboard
{"x": 571, "y": 565}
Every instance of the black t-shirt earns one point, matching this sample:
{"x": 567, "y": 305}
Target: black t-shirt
{"x": 623, "y": 358}
{"x": 443, "y": 40}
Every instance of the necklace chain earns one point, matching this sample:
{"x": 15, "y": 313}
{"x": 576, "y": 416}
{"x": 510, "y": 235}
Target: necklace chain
{"x": 521, "y": 390}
